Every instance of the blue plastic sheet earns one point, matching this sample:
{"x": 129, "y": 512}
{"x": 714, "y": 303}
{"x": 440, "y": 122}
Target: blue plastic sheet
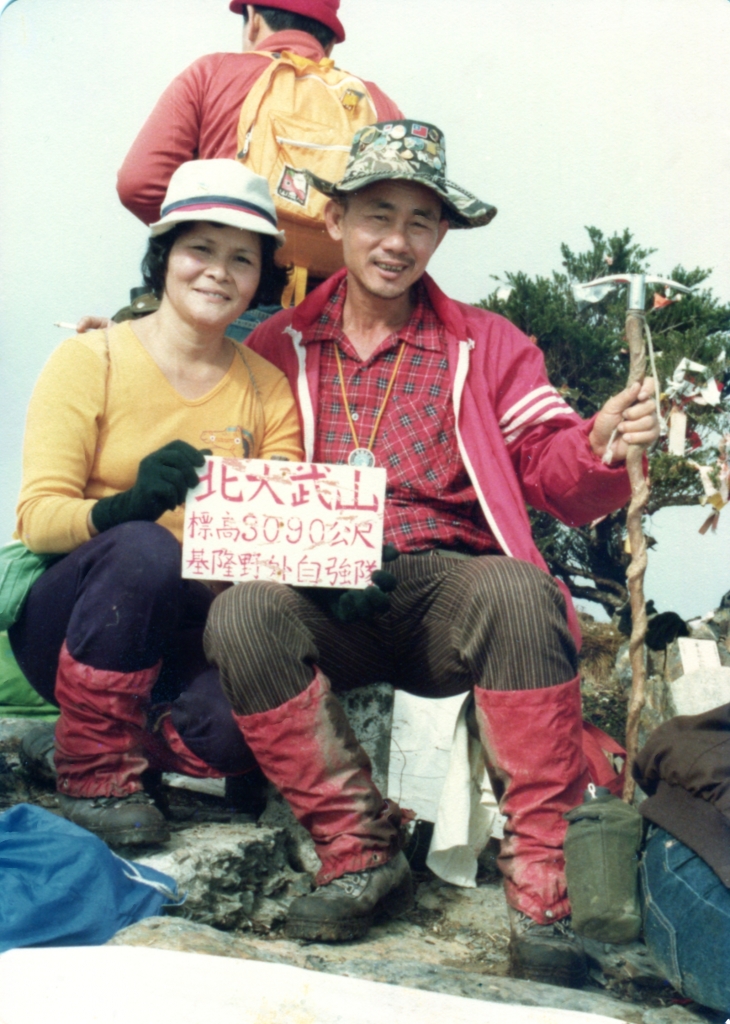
{"x": 62, "y": 886}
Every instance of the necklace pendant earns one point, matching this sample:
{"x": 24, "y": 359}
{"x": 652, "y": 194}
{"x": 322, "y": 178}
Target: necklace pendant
{"x": 361, "y": 457}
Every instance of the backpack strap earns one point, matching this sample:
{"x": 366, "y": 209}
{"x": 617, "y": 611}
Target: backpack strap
{"x": 254, "y": 98}
{"x": 295, "y": 290}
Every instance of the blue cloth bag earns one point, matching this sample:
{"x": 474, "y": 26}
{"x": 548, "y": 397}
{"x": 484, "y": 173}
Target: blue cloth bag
{"x": 62, "y": 886}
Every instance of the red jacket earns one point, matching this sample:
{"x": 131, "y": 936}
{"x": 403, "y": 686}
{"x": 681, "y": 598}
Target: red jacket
{"x": 520, "y": 442}
{"x": 196, "y": 118}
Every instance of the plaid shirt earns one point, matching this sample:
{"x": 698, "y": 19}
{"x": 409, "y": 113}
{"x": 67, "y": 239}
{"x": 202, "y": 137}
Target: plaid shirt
{"x": 430, "y": 499}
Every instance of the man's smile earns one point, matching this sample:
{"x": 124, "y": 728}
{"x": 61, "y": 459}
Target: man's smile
{"x": 390, "y": 267}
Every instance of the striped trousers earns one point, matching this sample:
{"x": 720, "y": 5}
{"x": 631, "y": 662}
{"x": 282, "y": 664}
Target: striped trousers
{"x": 454, "y": 623}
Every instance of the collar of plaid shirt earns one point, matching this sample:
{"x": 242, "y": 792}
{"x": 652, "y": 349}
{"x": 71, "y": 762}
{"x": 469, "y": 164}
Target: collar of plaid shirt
{"x": 423, "y": 328}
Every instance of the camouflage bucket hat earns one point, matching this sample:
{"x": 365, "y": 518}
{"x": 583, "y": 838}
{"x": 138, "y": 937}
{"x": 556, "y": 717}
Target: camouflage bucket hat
{"x": 406, "y": 151}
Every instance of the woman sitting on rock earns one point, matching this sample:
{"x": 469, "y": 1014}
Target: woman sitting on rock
{"x": 111, "y": 633}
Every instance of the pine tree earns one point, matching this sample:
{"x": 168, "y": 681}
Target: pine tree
{"x": 587, "y": 361}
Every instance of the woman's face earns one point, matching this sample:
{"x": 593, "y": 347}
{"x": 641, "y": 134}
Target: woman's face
{"x": 212, "y": 274}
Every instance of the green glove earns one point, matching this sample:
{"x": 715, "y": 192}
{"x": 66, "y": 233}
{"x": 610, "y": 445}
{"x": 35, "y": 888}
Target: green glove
{"x": 360, "y": 605}
{"x": 163, "y": 479}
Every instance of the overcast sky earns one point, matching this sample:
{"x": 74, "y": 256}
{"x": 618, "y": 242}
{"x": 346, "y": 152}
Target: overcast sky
{"x": 562, "y": 113}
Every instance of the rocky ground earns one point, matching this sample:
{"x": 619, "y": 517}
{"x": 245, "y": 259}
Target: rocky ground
{"x": 240, "y": 877}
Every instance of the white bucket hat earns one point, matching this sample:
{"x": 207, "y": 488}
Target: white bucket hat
{"x": 221, "y": 191}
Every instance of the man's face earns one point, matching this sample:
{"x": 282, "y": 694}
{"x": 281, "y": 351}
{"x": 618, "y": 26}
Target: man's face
{"x": 389, "y": 231}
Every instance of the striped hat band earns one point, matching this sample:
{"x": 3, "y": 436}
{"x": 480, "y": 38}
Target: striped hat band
{"x": 218, "y": 202}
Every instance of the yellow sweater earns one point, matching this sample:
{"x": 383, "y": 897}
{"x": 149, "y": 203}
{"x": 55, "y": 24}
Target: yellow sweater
{"x": 97, "y": 410}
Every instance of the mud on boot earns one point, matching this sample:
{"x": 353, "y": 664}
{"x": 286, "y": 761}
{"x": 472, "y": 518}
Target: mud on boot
{"x": 119, "y": 820}
{"x": 36, "y": 753}
{"x": 344, "y": 909}
{"x": 551, "y": 953}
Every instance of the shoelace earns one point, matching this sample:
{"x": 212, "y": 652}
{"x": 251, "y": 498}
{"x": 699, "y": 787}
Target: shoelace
{"x": 115, "y": 801}
{"x": 351, "y": 884}
{"x": 561, "y": 927}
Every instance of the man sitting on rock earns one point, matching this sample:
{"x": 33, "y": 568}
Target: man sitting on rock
{"x": 454, "y": 402}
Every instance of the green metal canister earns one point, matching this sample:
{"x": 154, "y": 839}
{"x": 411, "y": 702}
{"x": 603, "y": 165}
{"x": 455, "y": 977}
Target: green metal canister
{"x": 601, "y": 867}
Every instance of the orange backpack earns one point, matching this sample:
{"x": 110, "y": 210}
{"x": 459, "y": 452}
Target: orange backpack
{"x": 301, "y": 114}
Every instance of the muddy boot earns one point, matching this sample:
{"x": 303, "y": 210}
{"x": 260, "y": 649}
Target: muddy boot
{"x": 344, "y": 909}
{"x": 533, "y": 742}
{"x": 99, "y": 753}
{"x": 120, "y": 821}
{"x": 308, "y": 750}
{"x": 37, "y": 758}
{"x": 551, "y": 953}
{"x": 36, "y": 753}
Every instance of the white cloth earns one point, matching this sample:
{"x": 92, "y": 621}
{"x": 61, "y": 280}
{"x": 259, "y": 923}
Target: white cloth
{"x": 468, "y": 814}
{"x": 420, "y": 749}
{"x": 119, "y": 984}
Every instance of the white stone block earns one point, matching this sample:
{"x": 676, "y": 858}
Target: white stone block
{"x": 700, "y": 691}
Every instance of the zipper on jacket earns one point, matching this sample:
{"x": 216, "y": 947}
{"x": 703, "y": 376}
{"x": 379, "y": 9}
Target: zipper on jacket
{"x": 282, "y": 140}
{"x": 462, "y": 368}
{"x": 305, "y": 398}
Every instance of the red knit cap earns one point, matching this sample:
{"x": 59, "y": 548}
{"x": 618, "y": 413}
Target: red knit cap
{"x": 321, "y": 10}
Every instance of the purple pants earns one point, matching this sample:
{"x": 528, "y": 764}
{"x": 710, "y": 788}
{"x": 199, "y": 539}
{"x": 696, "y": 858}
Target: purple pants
{"x": 119, "y": 603}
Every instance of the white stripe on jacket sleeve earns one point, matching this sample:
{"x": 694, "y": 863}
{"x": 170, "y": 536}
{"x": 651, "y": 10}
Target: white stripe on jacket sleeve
{"x": 547, "y": 415}
{"x": 537, "y": 406}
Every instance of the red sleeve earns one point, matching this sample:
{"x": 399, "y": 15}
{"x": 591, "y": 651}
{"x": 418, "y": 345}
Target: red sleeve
{"x": 168, "y": 138}
{"x": 548, "y": 442}
{"x": 560, "y": 474}
{"x": 195, "y": 118}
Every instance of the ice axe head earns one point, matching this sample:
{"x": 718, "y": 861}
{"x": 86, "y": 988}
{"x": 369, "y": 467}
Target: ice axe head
{"x": 600, "y": 287}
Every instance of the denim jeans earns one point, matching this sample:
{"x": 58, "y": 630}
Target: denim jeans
{"x": 686, "y": 920}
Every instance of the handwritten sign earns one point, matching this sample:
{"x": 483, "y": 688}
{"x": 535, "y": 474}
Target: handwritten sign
{"x": 305, "y": 524}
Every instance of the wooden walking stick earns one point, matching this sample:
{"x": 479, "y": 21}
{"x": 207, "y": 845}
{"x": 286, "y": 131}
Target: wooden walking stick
{"x": 594, "y": 291}
{"x": 635, "y": 324}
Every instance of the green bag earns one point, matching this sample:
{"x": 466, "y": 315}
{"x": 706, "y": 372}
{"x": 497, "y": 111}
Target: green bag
{"x": 19, "y": 569}
{"x": 18, "y": 699}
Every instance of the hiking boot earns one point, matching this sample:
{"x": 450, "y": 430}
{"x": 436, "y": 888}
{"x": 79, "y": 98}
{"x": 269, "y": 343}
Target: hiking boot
{"x": 118, "y": 820}
{"x": 345, "y": 908}
{"x": 36, "y": 756}
{"x": 36, "y": 753}
{"x": 551, "y": 953}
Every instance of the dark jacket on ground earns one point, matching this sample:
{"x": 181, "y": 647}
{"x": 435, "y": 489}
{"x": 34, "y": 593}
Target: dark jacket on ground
{"x": 685, "y": 771}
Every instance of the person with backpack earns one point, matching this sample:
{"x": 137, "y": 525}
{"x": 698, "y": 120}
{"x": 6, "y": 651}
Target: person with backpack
{"x": 455, "y": 403}
{"x": 260, "y": 101}
{"x": 117, "y": 430}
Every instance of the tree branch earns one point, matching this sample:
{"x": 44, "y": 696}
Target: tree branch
{"x": 600, "y": 581}
{"x": 610, "y": 603}
{"x": 675, "y": 499}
